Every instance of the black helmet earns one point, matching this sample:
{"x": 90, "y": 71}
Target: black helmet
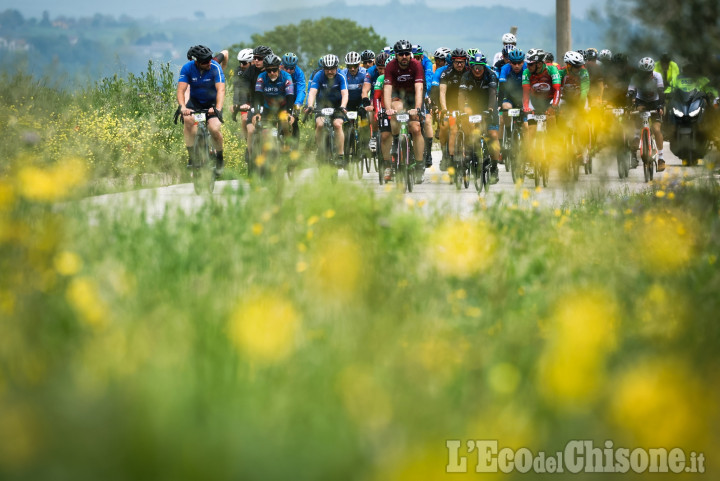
{"x": 199, "y": 53}
{"x": 591, "y": 54}
{"x": 402, "y": 46}
{"x": 549, "y": 57}
{"x": 619, "y": 58}
{"x": 381, "y": 59}
{"x": 459, "y": 53}
{"x": 366, "y": 55}
{"x": 535, "y": 55}
{"x": 262, "y": 51}
{"x": 271, "y": 60}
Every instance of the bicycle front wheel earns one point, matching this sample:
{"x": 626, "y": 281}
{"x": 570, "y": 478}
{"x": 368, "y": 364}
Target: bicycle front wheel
{"x": 403, "y": 151}
{"x": 645, "y": 155}
{"x": 459, "y": 159}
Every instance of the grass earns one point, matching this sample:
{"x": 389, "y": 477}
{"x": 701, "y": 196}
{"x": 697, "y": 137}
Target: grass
{"x": 336, "y": 334}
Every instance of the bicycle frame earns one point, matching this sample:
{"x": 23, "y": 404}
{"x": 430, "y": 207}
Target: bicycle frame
{"x": 648, "y": 148}
{"x": 203, "y": 171}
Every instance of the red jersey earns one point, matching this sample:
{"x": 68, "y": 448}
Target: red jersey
{"x": 404, "y": 80}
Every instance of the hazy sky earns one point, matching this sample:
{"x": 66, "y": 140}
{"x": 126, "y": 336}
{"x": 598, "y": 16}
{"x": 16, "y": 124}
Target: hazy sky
{"x": 164, "y": 9}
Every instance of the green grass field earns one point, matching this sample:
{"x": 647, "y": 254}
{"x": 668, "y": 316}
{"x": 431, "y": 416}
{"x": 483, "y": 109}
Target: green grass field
{"x": 336, "y": 334}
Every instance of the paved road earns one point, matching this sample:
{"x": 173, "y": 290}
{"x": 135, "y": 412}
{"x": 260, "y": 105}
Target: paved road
{"x": 435, "y": 192}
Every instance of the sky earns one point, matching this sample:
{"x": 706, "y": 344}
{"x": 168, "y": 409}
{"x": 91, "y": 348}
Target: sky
{"x": 166, "y": 9}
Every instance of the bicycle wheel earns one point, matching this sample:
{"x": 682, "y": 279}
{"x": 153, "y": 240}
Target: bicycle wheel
{"x": 459, "y": 159}
{"x": 401, "y": 176}
{"x": 507, "y": 145}
{"x": 645, "y": 155}
{"x": 351, "y": 155}
{"x": 623, "y": 162}
{"x": 201, "y": 156}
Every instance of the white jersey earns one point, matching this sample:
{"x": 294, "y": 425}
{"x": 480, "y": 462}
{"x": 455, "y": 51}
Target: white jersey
{"x": 647, "y": 88}
{"x": 497, "y": 57}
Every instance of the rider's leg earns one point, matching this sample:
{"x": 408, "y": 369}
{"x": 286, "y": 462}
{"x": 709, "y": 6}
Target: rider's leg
{"x": 216, "y": 134}
{"x": 657, "y": 131}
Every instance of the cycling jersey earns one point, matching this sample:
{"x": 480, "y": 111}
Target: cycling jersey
{"x": 354, "y": 86}
{"x": 543, "y": 86}
{"x": 244, "y": 86}
{"x": 298, "y": 78}
{"x": 497, "y": 66}
{"x": 403, "y": 81}
{"x": 452, "y": 78}
{"x": 648, "y": 87}
{"x": 371, "y": 75}
{"x": 435, "y": 85}
{"x": 202, "y": 83}
{"x": 479, "y": 94}
{"x": 510, "y": 84}
{"x": 328, "y": 90}
{"x": 616, "y": 84}
{"x": 428, "y": 68}
{"x": 276, "y": 95}
{"x": 686, "y": 83}
{"x": 574, "y": 86}
{"x": 669, "y": 75}
{"x": 597, "y": 79}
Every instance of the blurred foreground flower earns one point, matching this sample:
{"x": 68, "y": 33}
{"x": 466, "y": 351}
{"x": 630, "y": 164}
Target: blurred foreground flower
{"x": 53, "y": 183}
{"x": 665, "y": 241}
{"x": 82, "y": 294}
{"x": 335, "y": 269}
{"x": 462, "y": 248}
{"x": 264, "y": 327}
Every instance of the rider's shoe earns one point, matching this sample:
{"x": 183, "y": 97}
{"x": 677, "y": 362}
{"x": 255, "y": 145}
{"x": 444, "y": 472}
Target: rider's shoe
{"x": 388, "y": 174}
{"x": 661, "y": 165}
{"x": 494, "y": 175}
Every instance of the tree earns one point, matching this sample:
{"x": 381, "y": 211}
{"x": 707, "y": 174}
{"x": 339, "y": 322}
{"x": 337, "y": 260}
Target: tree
{"x": 311, "y": 39}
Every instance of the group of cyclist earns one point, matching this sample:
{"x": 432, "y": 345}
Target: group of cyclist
{"x": 443, "y": 92}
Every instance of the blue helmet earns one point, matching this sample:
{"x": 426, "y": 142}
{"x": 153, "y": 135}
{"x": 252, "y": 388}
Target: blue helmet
{"x": 417, "y": 50}
{"x": 478, "y": 59}
{"x": 516, "y": 55}
{"x": 289, "y": 60}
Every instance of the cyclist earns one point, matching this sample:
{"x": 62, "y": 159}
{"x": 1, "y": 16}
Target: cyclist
{"x": 617, "y": 78}
{"x": 507, "y": 39}
{"x": 368, "y": 58}
{"x": 449, "y": 91}
{"x": 505, "y": 59}
{"x": 314, "y": 72}
{"x": 245, "y": 56}
{"x": 403, "y": 90}
{"x": 442, "y": 58}
{"x": 328, "y": 89}
{"x": 575, "y": 85}
{"x": 605, "y": 56}
{"x": 381, "y": 119}
{"x": 478, "y": 95}
{"x": 355, "y": 76}
{"x": 244, "y": 96}
{"x": 595, "y": 94}
{"x": 541, "y": 90}
{"x": 275, "y": 93}
{"x": 647, "y": 91}
{"x": 289, "y": 65}
{"x": 550, "y": 60}
{"x": 205, "y": 79}
{"x": 419, "y": 55}
{"x": 510, "y": 90}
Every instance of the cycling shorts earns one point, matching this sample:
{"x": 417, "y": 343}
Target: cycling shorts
{"x": 650, "y": 105}
{"x": 195, "y": 105}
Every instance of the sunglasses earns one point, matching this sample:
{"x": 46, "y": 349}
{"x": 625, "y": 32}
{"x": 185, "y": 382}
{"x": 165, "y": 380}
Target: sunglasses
{"x": 206, "y": 62}
{"x": 244, "y": 63}
{"x": 404, "y": 54}
{"x": 289, "y": 69}
{"x": 365, "y": 62}
{"x": 357, "y": 65}
{"x": 517, "y": 63}
{"x": 272, "y": 70}
{"x": 258, "y": 58}
{"x": 459, "y": 62}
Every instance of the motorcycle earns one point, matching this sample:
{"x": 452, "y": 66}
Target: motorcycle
{"x": 688, "y": 140}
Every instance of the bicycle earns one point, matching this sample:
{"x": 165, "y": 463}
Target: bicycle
{"x": 573, "y": 148}
{"x": 404, "y": 158}
{"x": 267, "y": 156}
{"x": 203, "y": 171}
{"x": 354, "y": 161}
{"x": 648, "y": 150}
{"x": 326, "y": 147}
{"x": 469, "y": 163}
{"x": 511, "y": 145}
{"x": 541, "y": 167}
{"x": 622, "y": 148}
{"x": 371, "y": 153}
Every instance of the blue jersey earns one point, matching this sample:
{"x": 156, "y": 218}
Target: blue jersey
{"x": 275, "y": 94}
{"x": 298, "y": 78}
{"x": 428, "y": 67}
{"x": 202, "y": 84}
{"x": 354, "y": 85}
{"x": 329, "y": 91}
{"x": 510, "y": 83}
{"x": 371, "y": 76}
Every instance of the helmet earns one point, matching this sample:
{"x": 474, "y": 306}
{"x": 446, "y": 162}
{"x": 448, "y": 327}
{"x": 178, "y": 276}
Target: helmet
{"x": 381, "y": 59}
{"x": 646, "y": 64}
{"x": 367, "y": 55}
{"x": 478, "y": 59}
{"x": 391, "y": 57}
{"x": 352, "y": 58}
{"x": 442, "y": 53}
{"x": 619, "y": 58}
{"x": 402, "y": 46}
{"x": 535, "y": 55}
{"x": 605, "y": 55}
{"x": 507, "y": 49}
{"x": 471, "y": 52}
{"x": 581, "y": 52}
{"x": 549, "y": 57}
{"x": 271, "y": 60}
{"x": 458, "y": 53}
{"x": 517, "y": 55}
{"x": 330, "y": 61}
{"x": 199, "y": 53}
{"x": 262, "y": 51}
{"x": 245, "y": 55}
{"x": 388, "y": 50}
{"x": 591, "y": 54}
{"x": 574, "y": 59}
{"x": 509, "y": 38}
{"x": 417, "y": 50}
{"x": 289, "y": 60}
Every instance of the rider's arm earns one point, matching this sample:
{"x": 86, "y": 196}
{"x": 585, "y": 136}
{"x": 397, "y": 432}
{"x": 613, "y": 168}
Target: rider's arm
{"x": 220, "y": 96}
{"x": 443, "y": 96}
{"x": 343, "y": 98}
{"x": 526, "y": 90}
{"x": 387, "y": 94}
{"x": 300, "y": 87}
{"x": 311, "y": 97}
{"x": 419, "y": 95}
{"x": 181, "y": 91}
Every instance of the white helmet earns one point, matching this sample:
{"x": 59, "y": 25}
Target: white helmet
{"x": 647, "y": 64}
{"x": 442, "y": 52}
{"x": 509, "y": 38}
{"x": 573, "y": 58}
{"x": 245, "y": 55}
{"x": 605, "y": 54}
{"x": 330, "y": 61}
{"x": 352, "y": 58}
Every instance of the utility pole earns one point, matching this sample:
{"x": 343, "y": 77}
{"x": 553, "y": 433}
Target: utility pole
{"x": 562, "y": 28}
